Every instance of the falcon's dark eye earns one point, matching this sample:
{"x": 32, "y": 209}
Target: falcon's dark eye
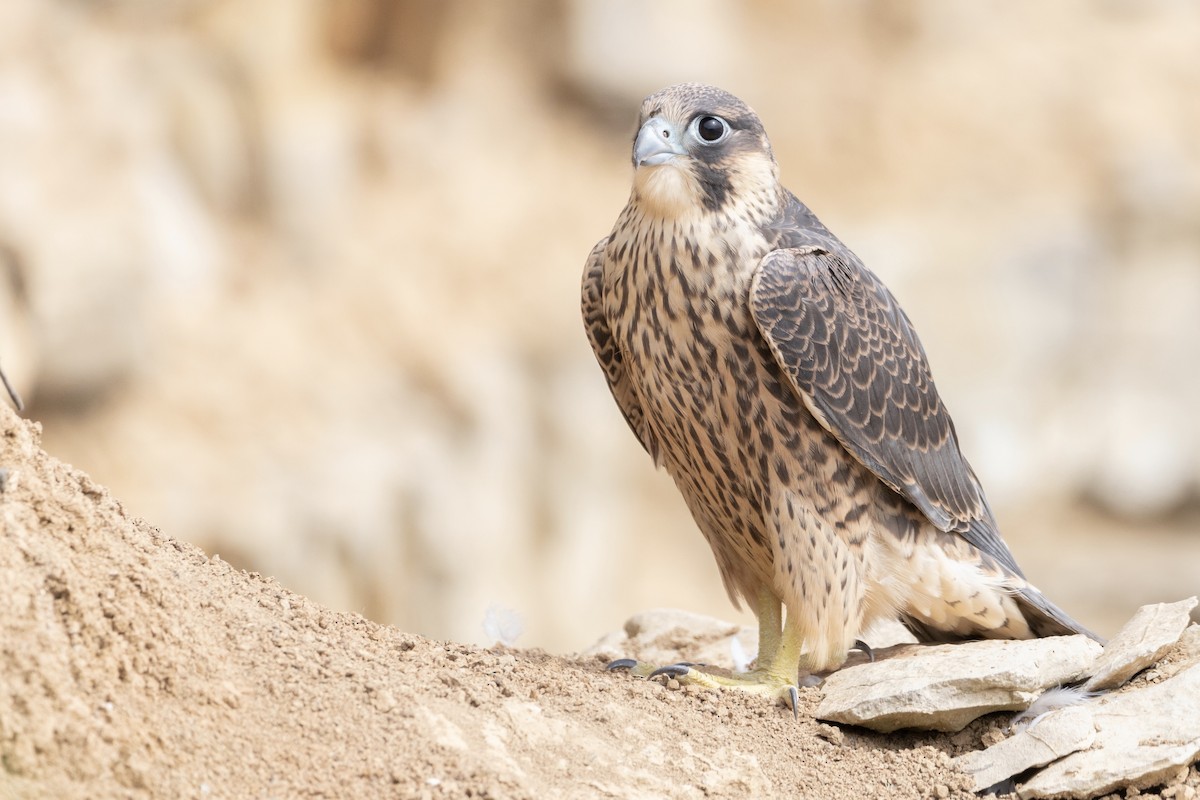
{"x": 711, "y": 129}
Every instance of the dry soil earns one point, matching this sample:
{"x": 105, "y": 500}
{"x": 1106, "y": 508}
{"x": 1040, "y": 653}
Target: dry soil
{"x": 134, "y": 665}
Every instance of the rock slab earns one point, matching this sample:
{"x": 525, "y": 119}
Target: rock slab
{"x": 1142, "y": 642}
{"x": 945, "y": 687}
{"x": 1048, "y": 739}
{"x": 666, "y": 635}
{"x": 1143, "y": 737}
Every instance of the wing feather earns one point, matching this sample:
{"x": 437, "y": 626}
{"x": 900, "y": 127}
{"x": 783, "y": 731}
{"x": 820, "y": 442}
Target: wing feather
{"x": 853, "y": 357}
{"x": 595, "y": 321}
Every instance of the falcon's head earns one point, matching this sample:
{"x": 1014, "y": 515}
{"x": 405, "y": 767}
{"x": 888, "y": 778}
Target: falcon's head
{"x": 699, "y": 149}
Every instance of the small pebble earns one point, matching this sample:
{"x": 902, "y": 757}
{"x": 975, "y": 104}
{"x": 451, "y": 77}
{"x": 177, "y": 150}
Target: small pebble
{"x": 831, "y": 733}
{"x": 991, "y": 736}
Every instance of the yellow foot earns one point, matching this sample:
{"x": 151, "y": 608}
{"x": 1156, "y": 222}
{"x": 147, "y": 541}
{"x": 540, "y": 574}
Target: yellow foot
{"x": 756, "y": 682}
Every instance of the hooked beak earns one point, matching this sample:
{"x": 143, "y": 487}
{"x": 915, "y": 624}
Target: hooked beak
{"x": 657, "y": 143}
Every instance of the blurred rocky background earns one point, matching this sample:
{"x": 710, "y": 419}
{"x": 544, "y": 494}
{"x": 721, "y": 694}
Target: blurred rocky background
{"x": 298, "y": 279}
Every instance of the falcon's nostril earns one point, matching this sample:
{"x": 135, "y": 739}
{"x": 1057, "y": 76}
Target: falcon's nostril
{"x": 666, "y": 133}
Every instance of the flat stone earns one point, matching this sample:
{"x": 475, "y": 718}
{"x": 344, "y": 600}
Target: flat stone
{"x": 1142, "y": 642}
{"x": 1057, "y": 734}
{"x": 944, "y": 687}
{"x": 1143, "y": 737}
{"x": 1184, "y": 654}
{"x": 667, "y": 635}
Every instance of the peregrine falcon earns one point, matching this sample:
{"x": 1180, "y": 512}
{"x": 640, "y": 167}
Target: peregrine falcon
{"x": 782, "y": 387}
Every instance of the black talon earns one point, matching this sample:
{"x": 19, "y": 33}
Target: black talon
{"x": 673, "y": 670}
{"x": 859, "y": 644}
{"x": 622, "y": 663}
{"x": 794, "y": 696}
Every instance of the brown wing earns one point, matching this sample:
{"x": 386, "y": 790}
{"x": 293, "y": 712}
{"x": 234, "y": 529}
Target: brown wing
{"x": 853, "y": 357}
{"x": 596, "y": 324}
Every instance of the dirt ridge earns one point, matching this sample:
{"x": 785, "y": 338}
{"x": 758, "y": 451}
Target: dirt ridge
{"x": 135, "y": 665}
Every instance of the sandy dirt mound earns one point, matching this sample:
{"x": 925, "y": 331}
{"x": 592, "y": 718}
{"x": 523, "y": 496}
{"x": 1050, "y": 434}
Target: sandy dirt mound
{"x": 133, "y": 665}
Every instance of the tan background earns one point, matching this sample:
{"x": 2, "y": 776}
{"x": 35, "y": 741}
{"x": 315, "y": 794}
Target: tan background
{"x": 299, "y": 280}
